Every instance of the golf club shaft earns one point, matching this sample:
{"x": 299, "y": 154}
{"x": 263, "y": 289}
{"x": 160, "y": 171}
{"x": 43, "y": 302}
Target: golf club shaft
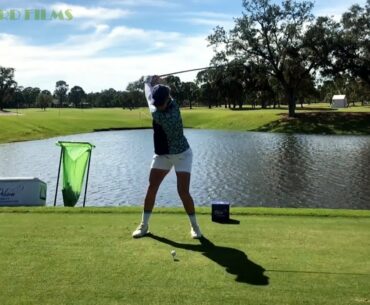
{"x": 184, "y": 71}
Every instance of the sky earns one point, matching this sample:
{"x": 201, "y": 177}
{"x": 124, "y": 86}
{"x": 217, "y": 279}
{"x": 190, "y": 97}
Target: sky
{"x": 106, "y": 44}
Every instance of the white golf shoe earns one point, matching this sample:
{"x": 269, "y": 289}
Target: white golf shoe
{"x": 195, "y": 232}
{"x": 140, "y": 231}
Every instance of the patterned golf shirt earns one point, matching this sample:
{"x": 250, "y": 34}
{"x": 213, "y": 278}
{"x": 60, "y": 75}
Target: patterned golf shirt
{"x": 167, "y": 125}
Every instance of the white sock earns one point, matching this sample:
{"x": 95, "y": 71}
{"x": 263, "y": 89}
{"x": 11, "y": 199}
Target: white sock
{"x": 146, "y": 216}
{"x": 193, "y": 220}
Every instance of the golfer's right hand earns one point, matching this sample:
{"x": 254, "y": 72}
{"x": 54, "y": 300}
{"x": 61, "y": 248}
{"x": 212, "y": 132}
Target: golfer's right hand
{"x": 155, "y": 80}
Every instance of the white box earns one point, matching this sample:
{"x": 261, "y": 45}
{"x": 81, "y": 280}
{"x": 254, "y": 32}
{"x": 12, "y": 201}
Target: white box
{"x": 22, "y": 191}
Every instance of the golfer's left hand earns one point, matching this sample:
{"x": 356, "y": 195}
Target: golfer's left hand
{"x": 156, "y": 80}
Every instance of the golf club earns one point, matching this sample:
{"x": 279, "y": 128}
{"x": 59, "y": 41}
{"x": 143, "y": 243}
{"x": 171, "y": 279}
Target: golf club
{"x": 184, "y": 71}
{"x": 197, "y": 69}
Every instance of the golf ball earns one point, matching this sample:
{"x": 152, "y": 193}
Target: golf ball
{"x": 173, "y": 252}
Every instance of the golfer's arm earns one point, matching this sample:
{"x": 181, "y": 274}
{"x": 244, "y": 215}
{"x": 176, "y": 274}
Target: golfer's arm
{"x": 148, "y": 94}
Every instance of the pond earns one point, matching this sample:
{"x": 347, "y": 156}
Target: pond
{"x": 244, "y": 168}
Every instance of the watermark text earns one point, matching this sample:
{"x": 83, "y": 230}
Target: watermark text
{"x": 35, "y": 14}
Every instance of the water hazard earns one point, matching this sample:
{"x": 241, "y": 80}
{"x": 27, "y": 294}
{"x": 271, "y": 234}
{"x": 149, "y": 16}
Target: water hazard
{"x": 244, "y": 168}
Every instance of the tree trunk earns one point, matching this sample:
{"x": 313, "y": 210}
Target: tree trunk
{"x": 291, "y": 103}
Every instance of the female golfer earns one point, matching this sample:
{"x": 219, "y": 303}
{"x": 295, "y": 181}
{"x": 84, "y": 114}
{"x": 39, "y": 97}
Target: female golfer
{"x": 171, "y": 150}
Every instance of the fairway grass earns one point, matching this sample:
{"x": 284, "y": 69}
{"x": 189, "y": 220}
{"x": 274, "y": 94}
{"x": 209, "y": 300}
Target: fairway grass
{"x": 32, "y": 124}
{"x": 87, "y": 256}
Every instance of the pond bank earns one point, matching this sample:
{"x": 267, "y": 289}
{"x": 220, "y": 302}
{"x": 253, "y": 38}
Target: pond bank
{"x": 237, "y": 211}
{"x": 35, "y": 124}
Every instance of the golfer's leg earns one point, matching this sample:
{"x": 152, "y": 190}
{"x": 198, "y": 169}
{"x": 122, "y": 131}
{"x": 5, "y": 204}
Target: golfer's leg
{"x": 155, "y": 179}
{"x": 183, "y": 185}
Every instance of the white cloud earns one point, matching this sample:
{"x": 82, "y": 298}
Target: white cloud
{"x": 211, "y": 15}
{"x": 95, "y": 13}
{"x": 211, "y": 22}
{"x": 142, "y": 3}
{"x": 335, "y": 8}
{"x": 336, "y": 13}
{"x": 88, "y": 17}
{"x": 78, "y": 64}
{"x": 127, "y": 39}
{"x": 211, "y": 19}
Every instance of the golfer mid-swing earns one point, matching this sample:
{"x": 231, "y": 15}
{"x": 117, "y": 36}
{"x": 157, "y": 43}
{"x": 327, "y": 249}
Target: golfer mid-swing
{"x": 171, "y": 149}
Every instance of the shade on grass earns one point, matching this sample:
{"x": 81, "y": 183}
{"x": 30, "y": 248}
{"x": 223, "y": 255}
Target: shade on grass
{"x": 90, "y": 258}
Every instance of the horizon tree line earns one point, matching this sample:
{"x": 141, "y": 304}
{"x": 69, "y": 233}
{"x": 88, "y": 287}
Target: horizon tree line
{"x": 275, "y": 55}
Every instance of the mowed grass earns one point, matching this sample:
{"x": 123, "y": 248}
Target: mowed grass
{"x": 33, "y": 124}
{"x": 87, "y": 256}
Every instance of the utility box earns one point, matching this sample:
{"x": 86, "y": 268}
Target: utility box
{"x": 339, "y": 101}
{"x": 220, "y": 211}
{"x": 22, "y": 191}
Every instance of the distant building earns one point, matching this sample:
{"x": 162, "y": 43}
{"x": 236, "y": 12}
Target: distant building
{"x": 339, "y": 101}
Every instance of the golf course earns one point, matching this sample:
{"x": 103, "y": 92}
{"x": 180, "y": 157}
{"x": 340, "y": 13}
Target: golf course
{"x": 32, "y": 124}
{"x": 266, "y": 256}
{"x": 185, "y": 152}
{"x": 263, "y": 256}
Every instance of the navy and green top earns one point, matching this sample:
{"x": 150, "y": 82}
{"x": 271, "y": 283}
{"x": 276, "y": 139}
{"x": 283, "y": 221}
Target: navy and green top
{"x": 167, "y": 125}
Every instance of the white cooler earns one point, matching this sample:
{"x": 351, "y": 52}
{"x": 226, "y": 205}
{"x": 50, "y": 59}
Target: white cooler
{"x": 22, "y": 191}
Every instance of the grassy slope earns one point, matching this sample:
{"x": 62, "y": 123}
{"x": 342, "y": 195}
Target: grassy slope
{"x": 37, "y": 124}
{"x": 90, "y": 258}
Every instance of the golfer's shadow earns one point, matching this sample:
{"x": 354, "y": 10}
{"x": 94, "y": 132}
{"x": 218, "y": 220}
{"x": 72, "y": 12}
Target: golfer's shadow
{"x": 234, "y": 261}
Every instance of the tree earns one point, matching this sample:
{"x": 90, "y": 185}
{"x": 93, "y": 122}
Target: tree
{"x": 7, "y": 84}
{"x": 15, "y": 100}
{"x": 75, "y": 96}
{"x": 61, "y": 89}
{"x": 274, "y": 36}
{"x": 107, "y": 98}
{"x": 210, "y": 83}
{"x": 352, "y": 45}
{"x": 132, "y": 99}
{"x": 134, "y": 95}
{"x": 261, "y": 86}
{"x": 174, "y": 82}
{"x": 44, "y": 99}
{"x": 136, "y": 85}
{"x": 92, "y": 98}
{"x": 188, "y": 92}
{"x": 208, "y": 95}
{"x": 30, "y": 95}
{"x": 307, "y": 90}
{"x": 234, "y": 83}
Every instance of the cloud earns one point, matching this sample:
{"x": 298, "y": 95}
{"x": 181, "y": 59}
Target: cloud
{"x": 88, "y": 17}
{"x": 127, "y": 40}
{"x": 95, "y": 13}
{"x": 79, "y": 63}
{"x": 210, "y": 19}
{"x": 142, "y": 3}
{"x": 336, "y": 13}
{"x": 210, "y": 22}
{"x": 335, "y": 8}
